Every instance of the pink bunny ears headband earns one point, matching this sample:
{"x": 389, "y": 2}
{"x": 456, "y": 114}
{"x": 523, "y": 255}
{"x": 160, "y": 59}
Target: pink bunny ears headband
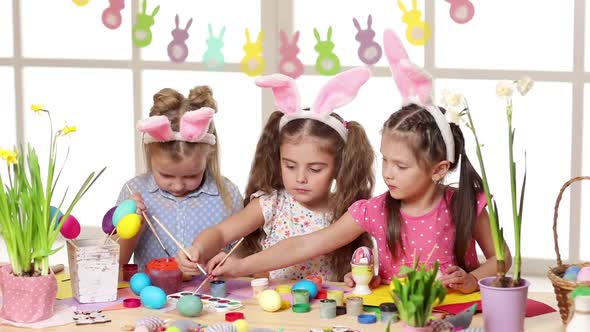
{"x": 415, "y": 86}
{"x": 193, "y": 128}
{"x": 339, "y": 91}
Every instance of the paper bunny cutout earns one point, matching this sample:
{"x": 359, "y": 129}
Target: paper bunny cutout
{"x": 142, "y": 34}
{"x": 461, "y": 11}
{"x": 290, "y": 65}
{"x": 327, "y": 62}
{"x": 253, "y": 64}
{"x": 193, "y": 128}
{"x": 369, "y": 51}
{"x": 177, "y": 49}
{"x": 415, "y": 86}
{"x": 111, "y": 17}
{"x": 213, "y": 58}
{"x": 81, "y": 3}
{"x": 417, "y": 32}
{"x": 337, "y": 92}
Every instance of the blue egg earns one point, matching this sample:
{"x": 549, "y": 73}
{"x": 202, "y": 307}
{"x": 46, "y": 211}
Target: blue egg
{"x": 573, "y": 270}
{"x": 126, "y": 207}
{"x": 139, "y": 281}
{"x": 571, "y": 276}
{"x": 153, "y": 297}
{"x": 52, "y": 211}
{"x": 307, "y": 285}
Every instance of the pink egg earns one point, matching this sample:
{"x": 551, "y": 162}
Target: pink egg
{"x": 584, "y": 274}
{"x": 71, "y": 228}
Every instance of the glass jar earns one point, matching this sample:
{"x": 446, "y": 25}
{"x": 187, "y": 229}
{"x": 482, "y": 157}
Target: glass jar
{"x": 164, "y": 273}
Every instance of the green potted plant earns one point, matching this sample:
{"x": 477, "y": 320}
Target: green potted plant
{"x": 29, "y": 227}
{"x": 415, "y": 295}
{"x": 503, "y": 297}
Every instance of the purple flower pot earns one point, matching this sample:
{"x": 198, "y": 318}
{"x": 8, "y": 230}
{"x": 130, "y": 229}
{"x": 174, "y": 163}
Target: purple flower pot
{"x": 503, "y": 308}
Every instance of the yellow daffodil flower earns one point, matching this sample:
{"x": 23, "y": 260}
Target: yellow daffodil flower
{"x": 68, "y": 130}
{"x": 37, "y": 108}
{"x": 8, "y": 155}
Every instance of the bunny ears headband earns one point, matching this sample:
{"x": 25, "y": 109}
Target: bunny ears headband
{"x": 339, "y": 91}
{"x": 415, "y": 86}
{"x": 193, "y": 128}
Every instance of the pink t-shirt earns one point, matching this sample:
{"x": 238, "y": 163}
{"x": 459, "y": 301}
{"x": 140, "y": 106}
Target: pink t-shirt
{"x": 419, "y": 233}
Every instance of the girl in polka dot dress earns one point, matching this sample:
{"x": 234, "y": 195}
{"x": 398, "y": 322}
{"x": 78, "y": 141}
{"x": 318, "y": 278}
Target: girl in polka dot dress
{"x": 183, "y": 187}
{"x": 300, "y": 155}
{"x": 418, "y": 216}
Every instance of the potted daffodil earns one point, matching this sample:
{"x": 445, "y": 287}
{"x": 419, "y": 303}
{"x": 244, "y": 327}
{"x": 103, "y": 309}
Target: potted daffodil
{"x": 29, "y": 226}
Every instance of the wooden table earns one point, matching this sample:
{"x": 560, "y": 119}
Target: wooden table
{"x": 290, "y": 321}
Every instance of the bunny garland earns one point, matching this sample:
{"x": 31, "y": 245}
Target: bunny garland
{"x": 193, "y": 128}
{"x": 290, "y": 65}
{"x": 213, "y": 57}
{"x": 339, "y": 91}
{"x": 111, "y": 17}
{"x": 253, "y": 63}
{"x": 418, "y": 31}
{"x": 369, "y": 51}
{"x": 415, "y": 86}
{"x": 142, "y": 34}
{"x": 177, "y": 49}
{"x": 461, "y": 11}
{"x": 327, "y": 62}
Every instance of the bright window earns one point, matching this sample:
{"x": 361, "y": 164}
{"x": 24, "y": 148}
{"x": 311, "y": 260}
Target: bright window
{"x": 6, "y": 41}
{"x": 496, "y": 36}
{"x": 104, "y": 119}
{"x": 585, "y": 184}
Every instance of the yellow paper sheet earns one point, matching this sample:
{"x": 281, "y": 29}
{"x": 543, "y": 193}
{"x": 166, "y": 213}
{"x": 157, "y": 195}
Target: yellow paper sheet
{"x": 64, "y": 286}
{"x": 382, "y": 294}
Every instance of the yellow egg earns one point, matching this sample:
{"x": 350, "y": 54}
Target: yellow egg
{"x": 129, "y": 226}
{"x": 270, "y": 300}
{"x": 241, "y": 325}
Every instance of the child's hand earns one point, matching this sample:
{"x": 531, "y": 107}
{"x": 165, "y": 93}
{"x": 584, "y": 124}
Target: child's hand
{"x": 375, "y": 282}
{"x": 186, "y": 265}
{"x": 140, "y": 203}
{"x": 230, "y": 267}
{"x": 456, "y": 278}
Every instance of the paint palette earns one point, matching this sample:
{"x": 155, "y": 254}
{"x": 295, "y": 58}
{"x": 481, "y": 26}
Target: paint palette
{"x": 210, "y": 303}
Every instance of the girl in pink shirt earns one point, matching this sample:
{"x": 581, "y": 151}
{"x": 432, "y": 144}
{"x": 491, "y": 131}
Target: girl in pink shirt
{"x": 419, "y": 215}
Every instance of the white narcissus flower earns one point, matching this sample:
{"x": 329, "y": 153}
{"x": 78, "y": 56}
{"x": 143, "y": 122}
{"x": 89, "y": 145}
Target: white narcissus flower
{"x": 524, "y": 85}
{"x": 504, "y": 89}
{"x": 451, "y": 99}
{"x": 453, "y": 116}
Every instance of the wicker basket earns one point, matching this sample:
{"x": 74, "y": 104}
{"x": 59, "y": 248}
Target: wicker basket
{"x": 561, "y": 286}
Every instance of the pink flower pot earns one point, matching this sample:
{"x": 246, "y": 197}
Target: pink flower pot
{"x": 26, "y": 299}
{"x": 503, "y": 308}
{"x": 407, "y": 328}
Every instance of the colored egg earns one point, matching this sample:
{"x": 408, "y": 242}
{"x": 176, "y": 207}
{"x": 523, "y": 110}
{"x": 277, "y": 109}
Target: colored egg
{"x": 584, "y": 274}
{"x": 153, "y": 297}
{"x": 362, "y": 256}
{"x": 270, "y": 300}
{"x": 241, "y": 325}
{"x": 573, "y": 269}
{"x": 307, "y": 285}
{"x": 129, "y": 226}
{"x": 107, "y": 221}
{"x": 126, "y": 207}
{"x": 571, "y": 276}
{"x": 189, "y": 306}
{"x": 139, "y": 281}
{"x": 52, "y": 212}
{"x": 173, "y": 329}
{"x": 70, "y": 228}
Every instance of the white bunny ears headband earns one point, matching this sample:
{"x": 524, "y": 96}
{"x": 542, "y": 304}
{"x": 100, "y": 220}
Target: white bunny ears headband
{"x": 415, "y": 86}
{"x": 193, "y": 128}
{"x": 338, "y": 91}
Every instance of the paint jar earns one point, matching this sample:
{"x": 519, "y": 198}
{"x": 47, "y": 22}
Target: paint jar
{"x": 388, "y": 312}
{"x": 354, "y": 306}
{"x": 258, "y": 286}
{"x": 300, "y": 296}
{"x": 165, "y": 274}
{"x": 327, "y": 308}
{"x": 128, "y": 271}
{"x": 336, "y": 295}
{"x": 218, "y": 288}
